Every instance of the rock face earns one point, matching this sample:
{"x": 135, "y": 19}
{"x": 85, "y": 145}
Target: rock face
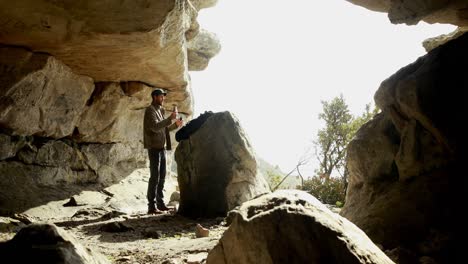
{"x": 406, "y": 181}
{"x": 201, "y": 49}
{"x": 216, "y": 168}
{"x": 108, "y": 40}
{"x": 75, "y": 78}
{"x": 35, "y": 171}
{"x": 412, "y": 11}
{"x": 114, "y": 116}
{"x": 40, "y": 95}
{"x": 45, "y": 243}
{"x": 292, "y": 227}
{"x": 432, "y": 43}
{"x": 199, "y": 4}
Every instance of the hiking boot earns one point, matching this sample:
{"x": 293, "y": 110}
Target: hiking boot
{"x": 163, "y": 207}
{"x": 153, "y": 211}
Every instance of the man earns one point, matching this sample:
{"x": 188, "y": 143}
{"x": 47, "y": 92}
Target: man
{"x": 156, "y": 136}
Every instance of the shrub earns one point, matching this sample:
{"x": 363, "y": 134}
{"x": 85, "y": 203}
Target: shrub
{"x": 327, "y": 190}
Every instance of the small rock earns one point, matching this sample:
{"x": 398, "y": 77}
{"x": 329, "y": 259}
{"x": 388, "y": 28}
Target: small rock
{"x": 200, "y": 231}
{"x": 196, "y": 258}
{"x": 71, "y": 202}
{"x": 152, "y": 233}
{"x": 23, "y": 218}
{"x": 123, "y": 259}
{"x": 220, "y": 220}
{"x": 116, "y": 227}
{"x": 106, "y": 192}
{"x": 112, "y": 214}
{"x": 175, "y": 197}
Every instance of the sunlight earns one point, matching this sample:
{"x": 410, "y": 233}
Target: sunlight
{"x": 278, "y": 61}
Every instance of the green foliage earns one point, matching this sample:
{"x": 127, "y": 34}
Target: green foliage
{"x": 330, "y": 149}
{"x": 359, "y": 121}
{"x": 328, "y": 190}
{"x": 273, "y": 178}
{"x": 333, "y": 139}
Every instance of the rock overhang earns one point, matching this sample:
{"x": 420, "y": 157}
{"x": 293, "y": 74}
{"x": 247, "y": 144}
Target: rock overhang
{"x": 113, "y": 41}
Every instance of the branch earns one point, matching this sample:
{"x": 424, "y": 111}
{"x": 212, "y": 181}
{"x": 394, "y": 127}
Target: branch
{"x": 302, "y": 161}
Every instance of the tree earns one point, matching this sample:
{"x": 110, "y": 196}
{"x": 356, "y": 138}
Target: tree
{"x": 332, "y": 141}
{"x": 330, "y": 146}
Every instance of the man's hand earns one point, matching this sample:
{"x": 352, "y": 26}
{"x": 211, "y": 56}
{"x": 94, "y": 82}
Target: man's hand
{"x": 173, "y": 115}
{"x": 179, "y": 123}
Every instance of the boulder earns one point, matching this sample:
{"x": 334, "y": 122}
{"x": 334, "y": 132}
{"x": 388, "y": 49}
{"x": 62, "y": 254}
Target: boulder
{"x": 372, "y": 151}
{"x": 217, "y": 169}
{"x": 47, "y": 243}
{"x": 407, "y": 164}
{"x": 292, "y": 227}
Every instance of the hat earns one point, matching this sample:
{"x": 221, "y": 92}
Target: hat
{"x": 158, "y": 91}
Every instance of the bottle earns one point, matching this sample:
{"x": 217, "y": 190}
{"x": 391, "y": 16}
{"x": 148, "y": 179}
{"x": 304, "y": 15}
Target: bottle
{"x": 175, "y": 110}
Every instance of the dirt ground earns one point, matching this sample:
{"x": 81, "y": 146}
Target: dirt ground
{"x": 114, "y": 222}
{"x": 145, "y": 238}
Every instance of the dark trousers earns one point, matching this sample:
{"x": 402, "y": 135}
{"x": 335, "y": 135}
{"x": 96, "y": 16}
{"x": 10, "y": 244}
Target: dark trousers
{"x": 157, "y": 160}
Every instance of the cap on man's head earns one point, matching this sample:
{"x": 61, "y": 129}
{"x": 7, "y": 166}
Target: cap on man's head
{"x": 157, "y": 92}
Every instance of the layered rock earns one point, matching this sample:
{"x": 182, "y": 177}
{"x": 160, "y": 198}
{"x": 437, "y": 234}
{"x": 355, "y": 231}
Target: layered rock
{"x": 112, "y": 115}
{"x": 432, "y": 43}
{"x": 405, "y": 179}
{"x": 412, "y": 11}
{"x": 217, "y": 170}
{"x": 45, "y": 243}
{"x": 106, "y": 40}
{"x": 39, "y": 95}
{"x": 201, "y": 49}
{"x": 36, "y": 171}
{"x": 292, "y": 227}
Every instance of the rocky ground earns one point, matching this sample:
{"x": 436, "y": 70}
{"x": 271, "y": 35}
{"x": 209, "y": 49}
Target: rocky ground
{"x": 114, "y": 222}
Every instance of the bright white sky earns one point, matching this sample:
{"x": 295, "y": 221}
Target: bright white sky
{"x": 280, "y": 59}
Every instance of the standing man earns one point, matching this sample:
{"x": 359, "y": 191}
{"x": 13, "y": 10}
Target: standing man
{"x": 156, "y": 134}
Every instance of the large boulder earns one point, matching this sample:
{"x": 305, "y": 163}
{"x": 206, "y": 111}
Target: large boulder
{"x": 46, "y": 243}
{"x": 406, "y": 180}
{"x": 292, "y": 227}
{"x": 413, "y": 11}
{"x": 39, "y": 95}
{"x": 217, "y": 169}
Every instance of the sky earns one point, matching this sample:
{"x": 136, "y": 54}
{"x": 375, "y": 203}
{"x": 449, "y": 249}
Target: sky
{"x": 280, "y": 59}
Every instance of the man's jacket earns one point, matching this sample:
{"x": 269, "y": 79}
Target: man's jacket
{"x": 156, "y": 128}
